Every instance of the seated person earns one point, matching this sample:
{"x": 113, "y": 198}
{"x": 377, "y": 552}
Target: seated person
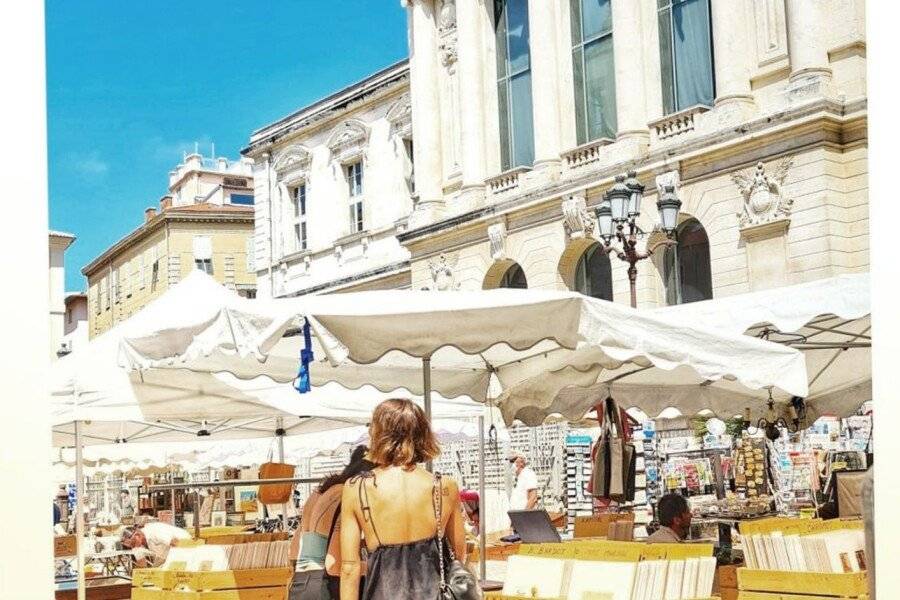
{"x": 674, "y": 516}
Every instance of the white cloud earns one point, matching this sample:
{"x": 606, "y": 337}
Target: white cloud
{"x": 91, "y": 164}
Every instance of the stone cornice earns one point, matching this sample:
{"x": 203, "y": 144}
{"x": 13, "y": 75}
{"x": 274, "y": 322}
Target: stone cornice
{"x": 144, "y": 231}
{"x": 329, "y": 110}
{"x": 335, "y": 284}
{"x": 820, "y": 123}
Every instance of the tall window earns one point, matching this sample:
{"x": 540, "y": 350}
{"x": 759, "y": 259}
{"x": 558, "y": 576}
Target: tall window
{"x": 410, "y": 165}
{"x": 593, "y": 274}
{"x": 298, "y": 197}
{"x": 685, "y": 48}
{"x": 203, "y": 253}
{"x": 514, "y": 278}
{"x": 595, "y": 75}
{"x": 355, "y": 183}
{"x": 514, "y": 83}
{"x": 687, "y": 272}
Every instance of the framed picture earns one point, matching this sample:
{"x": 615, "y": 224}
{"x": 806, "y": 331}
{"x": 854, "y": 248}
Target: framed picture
{"x": 245, "y": 500}
{"x": 219, "y": 518}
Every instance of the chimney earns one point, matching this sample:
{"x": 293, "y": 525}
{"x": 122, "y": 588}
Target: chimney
{"x": 165, "y": 203}
{"x": 222, "y": 163}
{"x": 149, "y": 213}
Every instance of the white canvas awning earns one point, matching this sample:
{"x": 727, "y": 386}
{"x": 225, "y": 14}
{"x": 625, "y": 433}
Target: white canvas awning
{"x": 528, "y": 345}
{"x": 828, "y": 320}
{"x": 114, "y": 405}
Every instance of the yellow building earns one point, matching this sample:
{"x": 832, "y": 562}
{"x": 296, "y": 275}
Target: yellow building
{"x": 215, "y": 237}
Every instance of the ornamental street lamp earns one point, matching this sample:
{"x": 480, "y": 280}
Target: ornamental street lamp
{"x": 620, "y": 208}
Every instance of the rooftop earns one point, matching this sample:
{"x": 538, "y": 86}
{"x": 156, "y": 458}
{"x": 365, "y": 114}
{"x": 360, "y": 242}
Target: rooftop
{"x": 325, "y": 107}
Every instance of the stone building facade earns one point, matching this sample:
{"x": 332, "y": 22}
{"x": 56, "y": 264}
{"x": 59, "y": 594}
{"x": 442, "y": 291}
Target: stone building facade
{"x": 523, "y": 112}
{"x": 58, "y": 243}
{"x": 205, "y": 221}
{"x": 333, "y": 187}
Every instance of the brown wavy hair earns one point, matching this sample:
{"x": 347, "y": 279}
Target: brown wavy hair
{"x": 401, "y": 435}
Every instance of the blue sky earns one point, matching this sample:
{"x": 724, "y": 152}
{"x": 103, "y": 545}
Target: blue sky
{"x": 131, "y": 85}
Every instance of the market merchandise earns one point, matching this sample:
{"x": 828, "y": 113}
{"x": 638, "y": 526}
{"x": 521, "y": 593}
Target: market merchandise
{"x": 214, "y": 557}
{"x": 841, "y": 551}
{"x": 541, "y": 577}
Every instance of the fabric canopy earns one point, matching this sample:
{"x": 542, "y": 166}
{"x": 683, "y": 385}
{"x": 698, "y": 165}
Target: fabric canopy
{"x": 114, "y": 405}
{"x": 526, "y": 346}
{"x": 828, "y": 320}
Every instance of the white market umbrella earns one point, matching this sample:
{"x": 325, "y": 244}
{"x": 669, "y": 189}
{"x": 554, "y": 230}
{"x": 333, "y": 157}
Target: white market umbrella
{"x": 828, "y": 320}
{"x": 530, "y": 345}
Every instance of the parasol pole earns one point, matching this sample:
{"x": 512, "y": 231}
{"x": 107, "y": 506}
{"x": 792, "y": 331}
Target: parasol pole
{"x": 279, "y": 432}
{"x": 482, "y": 512}
{"x": 79, "y": 513}
{"x": 426, "y": 396}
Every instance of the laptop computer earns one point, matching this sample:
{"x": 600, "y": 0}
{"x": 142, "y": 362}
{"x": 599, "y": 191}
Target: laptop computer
{"x": 534, "y": 526}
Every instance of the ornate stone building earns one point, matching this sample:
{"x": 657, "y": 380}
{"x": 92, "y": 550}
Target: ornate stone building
{"x": 523, "y": 112}
{"x": 333, "y": 187}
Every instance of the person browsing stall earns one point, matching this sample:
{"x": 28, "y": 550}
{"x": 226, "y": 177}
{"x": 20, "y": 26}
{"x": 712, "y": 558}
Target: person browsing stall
{"x": 401, "y": 509}
{"x": 524, "y": 493}
{"x": 674, "y": 516}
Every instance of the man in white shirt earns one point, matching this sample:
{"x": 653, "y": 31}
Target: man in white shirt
{"x": 524, "y": 494}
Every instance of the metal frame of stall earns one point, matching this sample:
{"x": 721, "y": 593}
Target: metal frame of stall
{"x": 80, "y": 487}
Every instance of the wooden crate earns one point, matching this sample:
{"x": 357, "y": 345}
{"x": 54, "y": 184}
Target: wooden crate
{"x": 829, "y": 585}
{"x": 598, "y": 525}
{"x": 250, "y": 584}
{"x": 742, "y": 595}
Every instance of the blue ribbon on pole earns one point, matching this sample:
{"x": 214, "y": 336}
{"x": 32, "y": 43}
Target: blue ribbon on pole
{"x": 302, "y": 384}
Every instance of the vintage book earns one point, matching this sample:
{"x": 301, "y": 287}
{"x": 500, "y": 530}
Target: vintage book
{"x": 601, "y": 577}
{"x": 689, "y": 581}
{"x": 674, "y": 580}
{"x": 535, "y": 577}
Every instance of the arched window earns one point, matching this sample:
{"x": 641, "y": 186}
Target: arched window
{"x": 687, "y": 272}
{"x": 593, "y": 274}
{"x": 514, "y": 278}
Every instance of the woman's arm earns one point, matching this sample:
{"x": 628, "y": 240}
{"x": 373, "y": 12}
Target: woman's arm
{"x": 350, "y": 536}
{"x": 454, "y": 529}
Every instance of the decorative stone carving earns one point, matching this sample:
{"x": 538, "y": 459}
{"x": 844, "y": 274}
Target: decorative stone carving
{"x": 339, "y": 254}
{"x": 763, "y": 200}
{"x": 348, "y": 141}
{"x": 442, "y": 277}
{"x": 291, "y": 159}
{"x": 585, "y": 154}
{"x": 771, "y": 33}
{"x": 669, "y": 178}
{"x": 678, "y": 123}
{"x": 400, "y": 117}
{"x": 497, "y": 236}
{"x": 447, "y": 32}
{"x": 577, "y": 220}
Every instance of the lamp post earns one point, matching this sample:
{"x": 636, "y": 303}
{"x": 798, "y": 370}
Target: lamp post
{"x": 617, "y": 217}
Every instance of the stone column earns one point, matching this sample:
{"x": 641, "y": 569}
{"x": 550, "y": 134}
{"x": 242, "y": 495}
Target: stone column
{"x": 732, "y": 52}
{"x": 426, "y": 112}
{"x": 628, "y": 53}
{"x": 471, "y": 81}
{"x": 810, "y": 69}
{"x": 544, "y": 84}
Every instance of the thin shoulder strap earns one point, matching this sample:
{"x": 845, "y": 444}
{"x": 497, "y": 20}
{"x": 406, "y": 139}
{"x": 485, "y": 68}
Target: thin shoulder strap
{"x": 364, "y": 504}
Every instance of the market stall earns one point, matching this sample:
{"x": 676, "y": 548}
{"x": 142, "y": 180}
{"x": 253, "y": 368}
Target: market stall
{"x": 478, "y": 344}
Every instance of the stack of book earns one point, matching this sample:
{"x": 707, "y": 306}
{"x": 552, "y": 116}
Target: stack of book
{"x": 253, "y": 555}
{"x": 840, "y": 551}
{"x": 538, "y": 577}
